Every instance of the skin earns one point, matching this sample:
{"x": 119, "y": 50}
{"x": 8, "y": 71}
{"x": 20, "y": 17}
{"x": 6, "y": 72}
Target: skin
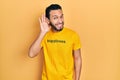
{"x": 56, "y": 20}
{"x": 56, "y": 23}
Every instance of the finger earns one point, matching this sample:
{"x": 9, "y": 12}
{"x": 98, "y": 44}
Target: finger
{"x": 44, "y": 17}
{"x": 40, "y": 23}
{"x": 40, "y": 20}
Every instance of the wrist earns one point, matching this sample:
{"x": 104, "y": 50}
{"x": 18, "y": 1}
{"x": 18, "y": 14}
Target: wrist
{"x": 43, "y": 32}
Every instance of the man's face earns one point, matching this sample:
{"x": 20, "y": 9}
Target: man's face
{"x": 56, "y": 20}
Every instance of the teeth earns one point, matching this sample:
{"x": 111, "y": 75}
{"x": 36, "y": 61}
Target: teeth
{"x": 60, "y": 25}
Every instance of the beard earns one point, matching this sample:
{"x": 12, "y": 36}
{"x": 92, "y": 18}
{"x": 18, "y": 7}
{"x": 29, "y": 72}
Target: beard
{"x": 55, "y": 28}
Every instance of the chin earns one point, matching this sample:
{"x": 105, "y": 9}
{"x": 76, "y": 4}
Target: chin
{"x": 60, "y": 29}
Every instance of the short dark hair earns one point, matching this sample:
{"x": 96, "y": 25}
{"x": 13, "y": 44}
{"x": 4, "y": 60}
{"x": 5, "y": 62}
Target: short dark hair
{"x": 52, "y": 7}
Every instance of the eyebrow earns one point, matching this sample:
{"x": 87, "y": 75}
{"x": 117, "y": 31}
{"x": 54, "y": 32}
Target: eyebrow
{"x": 56, "y": 15}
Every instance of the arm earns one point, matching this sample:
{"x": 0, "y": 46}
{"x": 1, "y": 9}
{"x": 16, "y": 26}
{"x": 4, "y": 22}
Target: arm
{"x": 35, "y": 47}
{"x": 77, "y": 63}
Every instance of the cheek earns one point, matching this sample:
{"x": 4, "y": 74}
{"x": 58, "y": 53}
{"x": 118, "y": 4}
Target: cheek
{"x": 54, "y": 22}
{"x": 63, "y": 19}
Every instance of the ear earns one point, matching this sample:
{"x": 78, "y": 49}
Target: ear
{"x": 47, "y": 20}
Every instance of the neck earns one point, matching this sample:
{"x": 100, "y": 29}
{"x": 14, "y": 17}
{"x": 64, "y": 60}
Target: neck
{"x": 55, "y": 31}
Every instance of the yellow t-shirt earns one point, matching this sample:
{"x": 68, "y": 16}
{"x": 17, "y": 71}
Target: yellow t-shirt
{"x": 58, "y": 57}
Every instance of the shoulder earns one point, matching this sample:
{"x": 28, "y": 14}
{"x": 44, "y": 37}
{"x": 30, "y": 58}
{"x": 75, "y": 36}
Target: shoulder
{"x": 70, "y": 31}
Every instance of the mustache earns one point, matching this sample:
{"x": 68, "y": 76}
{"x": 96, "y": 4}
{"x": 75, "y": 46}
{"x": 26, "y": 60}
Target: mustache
{"x": 57, "y": 23}
{"x": 60, "y": 23}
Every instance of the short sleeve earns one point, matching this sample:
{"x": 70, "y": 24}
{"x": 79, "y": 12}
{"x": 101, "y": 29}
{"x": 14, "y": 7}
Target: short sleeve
{"x": 76, "y": 42}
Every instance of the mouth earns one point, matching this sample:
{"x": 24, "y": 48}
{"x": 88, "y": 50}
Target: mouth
{"x": 59, "y": 25}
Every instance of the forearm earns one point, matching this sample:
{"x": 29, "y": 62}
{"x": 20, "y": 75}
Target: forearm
{"x": 78, "y": 65}
{"x": 35, "y": 47}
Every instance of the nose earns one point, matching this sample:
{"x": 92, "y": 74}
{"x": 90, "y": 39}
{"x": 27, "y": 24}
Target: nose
{"x": 60, "y": 20}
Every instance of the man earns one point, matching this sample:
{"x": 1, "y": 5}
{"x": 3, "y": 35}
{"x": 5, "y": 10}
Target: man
{"x": 60, "y": 45}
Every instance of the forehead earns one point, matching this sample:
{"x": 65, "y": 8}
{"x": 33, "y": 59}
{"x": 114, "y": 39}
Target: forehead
{"x": 56, "y": 12}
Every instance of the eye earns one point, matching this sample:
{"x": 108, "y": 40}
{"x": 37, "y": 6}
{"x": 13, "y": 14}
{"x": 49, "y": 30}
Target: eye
{"x": 61, "y": 16}
{"x": 55, "y": 17}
